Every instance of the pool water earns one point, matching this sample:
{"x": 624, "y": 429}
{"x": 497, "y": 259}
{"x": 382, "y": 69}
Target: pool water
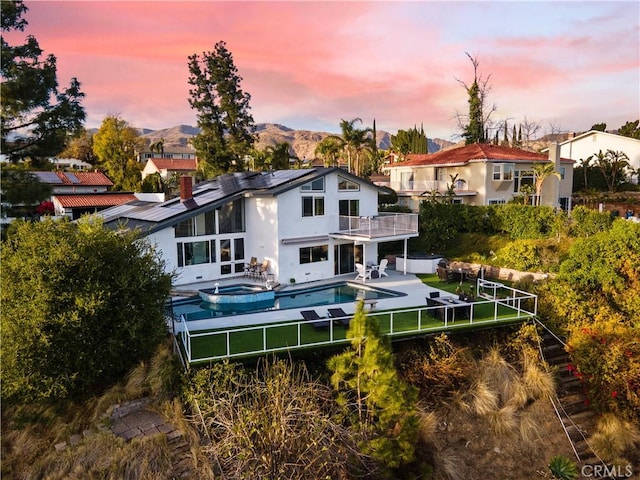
{"x": 343, "y": 292}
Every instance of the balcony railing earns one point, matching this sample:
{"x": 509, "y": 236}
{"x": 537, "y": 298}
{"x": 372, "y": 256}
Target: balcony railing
{"x": 383, "y": 225}
{"x": 426, "y": 186}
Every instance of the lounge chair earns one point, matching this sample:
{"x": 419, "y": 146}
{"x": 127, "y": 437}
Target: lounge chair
{"x": 382, "y": 267}
{"x": 318, "y": 322}
{"x": 341, "y": 315}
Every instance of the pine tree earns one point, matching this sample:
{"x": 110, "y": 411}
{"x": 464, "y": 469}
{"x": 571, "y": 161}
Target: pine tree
{"x": 505, "y": 140}
{"x": 520, "y": 136}
{"x": 378, "y": 405}
{"x": 223, "y": 111}
{"x": 514, "y": 141}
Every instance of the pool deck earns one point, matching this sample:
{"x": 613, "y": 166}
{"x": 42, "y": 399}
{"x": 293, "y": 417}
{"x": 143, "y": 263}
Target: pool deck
{"x": 414, "y": 289}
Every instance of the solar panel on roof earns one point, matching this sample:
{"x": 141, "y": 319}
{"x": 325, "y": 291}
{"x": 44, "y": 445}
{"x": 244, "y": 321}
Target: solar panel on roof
{"x": 72, "y": 177}
{"x": 48, "y": 177}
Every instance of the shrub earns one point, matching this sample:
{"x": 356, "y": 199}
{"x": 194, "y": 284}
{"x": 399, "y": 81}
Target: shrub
{"x": 520, "y": 255}
{"x": 586, "y": 221}
{"x": 563, "y": 468}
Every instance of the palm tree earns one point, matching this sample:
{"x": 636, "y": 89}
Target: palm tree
{"x": 158, "y": 147}
{"x": 329, "y": 149}
{"x": 355, "y": 141}
{"x": 278, "y": 155}
{"x": 542, "y": 171}
{"x": 585, "y": 163}
{"x": 612, "y": 165}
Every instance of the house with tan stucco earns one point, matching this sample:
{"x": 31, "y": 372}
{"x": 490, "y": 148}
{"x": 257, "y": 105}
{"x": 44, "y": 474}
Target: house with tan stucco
{"x": 479, "y": 174}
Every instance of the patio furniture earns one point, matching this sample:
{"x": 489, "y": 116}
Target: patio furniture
{"x": 318, "y": 322}
{"x": 435, "y": 294}
{"x": 452, "y": 307}
{"x": 261, "y": 271}
{"x": 363, "y": 273}
{"x": 341, "y": 315}
{"x": 250, "y": 268}
{"x": 382, "y": 267}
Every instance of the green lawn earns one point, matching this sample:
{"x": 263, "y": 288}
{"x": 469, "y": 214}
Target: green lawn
{"x": 247, "y": 341}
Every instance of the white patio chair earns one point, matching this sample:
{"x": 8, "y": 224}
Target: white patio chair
{"x": 363, "y": 273}
{"x": 382, "y": 267}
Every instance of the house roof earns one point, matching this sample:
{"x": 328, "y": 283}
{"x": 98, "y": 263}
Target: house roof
{"x": 594, "y": 132}
{"x": 473, "y": 153}
{"x": 176, "y": 164}
{"x": 84, "y": 179}
{"x": 94, "y": 199}
{"x": 211, "y": 194}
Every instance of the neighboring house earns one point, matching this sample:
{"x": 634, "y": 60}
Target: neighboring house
{"x": 486, "y": 175}
{"x": 169, "y": 152}
{"x": 309, "y": 224}
{"x": 75, "y": 182}
{"x": 590, "y": 143}
{"x": 70, "y": 163}
{"x": 75, "y": 205}
{"x": 167, "y": 167}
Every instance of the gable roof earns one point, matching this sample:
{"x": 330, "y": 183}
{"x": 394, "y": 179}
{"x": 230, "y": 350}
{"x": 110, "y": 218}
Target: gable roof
{"x": 175, "y": 164}
{"x": 151, "y": 217}
{"x": 476, "y": 152}
{"x": 594, "y": 132}
{"x": 106, "y": 199}
{"x": 85, "y": 179}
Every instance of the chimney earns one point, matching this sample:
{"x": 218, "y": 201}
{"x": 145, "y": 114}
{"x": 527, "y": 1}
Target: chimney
{"x": 186, "y": 188}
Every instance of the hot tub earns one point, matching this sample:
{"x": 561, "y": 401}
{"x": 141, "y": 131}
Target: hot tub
{"x": 418, "y": 262}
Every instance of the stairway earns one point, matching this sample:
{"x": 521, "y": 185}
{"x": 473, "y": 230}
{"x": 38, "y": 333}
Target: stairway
{"x": 578, "y": 419}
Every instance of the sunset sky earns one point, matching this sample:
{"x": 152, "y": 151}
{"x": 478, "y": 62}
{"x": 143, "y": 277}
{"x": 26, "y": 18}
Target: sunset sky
{"x": 309, "y": 64}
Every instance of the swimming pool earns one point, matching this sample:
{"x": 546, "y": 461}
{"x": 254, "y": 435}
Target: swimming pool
{"x": 342, "y": 292}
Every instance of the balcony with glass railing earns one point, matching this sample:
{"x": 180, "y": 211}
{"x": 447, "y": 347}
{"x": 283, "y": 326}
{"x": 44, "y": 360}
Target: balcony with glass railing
{"x": 379, "y": 226}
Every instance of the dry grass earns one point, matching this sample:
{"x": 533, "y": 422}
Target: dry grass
{"x": 503, "y": 421}
{"x": 483, "y": 399}
{"x": 499, "y": 375}
{"x": 529, "y": 428}
{"x": 538, "y": 382}
{"x": 614, "y": 437}
{"x": 448, "y": 466}
{"x": 428, "y": 426}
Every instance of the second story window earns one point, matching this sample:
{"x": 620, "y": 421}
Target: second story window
{"x": 502, "y": 171}
{"x": 344, "y": 184}
{"x": 316, "y": 185}
{"x": 312, "y": 206}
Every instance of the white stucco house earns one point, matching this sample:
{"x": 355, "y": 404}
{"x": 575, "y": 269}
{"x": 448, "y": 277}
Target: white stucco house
{"x": 485, "y": 175}
{"x": 590, "y": 143}
{"x": 310, "y": 224}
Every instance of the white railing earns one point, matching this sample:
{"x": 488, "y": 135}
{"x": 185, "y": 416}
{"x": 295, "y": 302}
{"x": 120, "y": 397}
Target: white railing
{"x": 385, "y": 224}
{"x": 514, "y": 302}
{"x": 426, "y": 186}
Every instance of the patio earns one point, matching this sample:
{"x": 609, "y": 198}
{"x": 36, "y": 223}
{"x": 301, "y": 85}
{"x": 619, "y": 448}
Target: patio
{"x": 251, "y": 335}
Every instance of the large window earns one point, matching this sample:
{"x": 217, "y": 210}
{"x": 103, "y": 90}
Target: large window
{"x": 203, "y": 224}
{"x": 503, "y": 171}
{"x": 316, "y": 185}
{"x": 522, "y": 178}
{"x": 349, "y": 208}
{"x": 312, "y": 206}
{"x": 319, "y": 253}
{"x": 194, "y": 253}
{"x": 344, "y": 184}
{"x": 231, "y": 217}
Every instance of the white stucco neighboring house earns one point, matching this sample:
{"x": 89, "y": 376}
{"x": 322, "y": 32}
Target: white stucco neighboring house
{"x": 309, "y": 224}
{"x": 169, "y": 166}
{"x": 590, "y": 143}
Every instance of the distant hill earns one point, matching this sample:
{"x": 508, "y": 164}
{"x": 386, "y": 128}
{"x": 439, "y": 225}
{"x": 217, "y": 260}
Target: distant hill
{"x": 303, "y": 142}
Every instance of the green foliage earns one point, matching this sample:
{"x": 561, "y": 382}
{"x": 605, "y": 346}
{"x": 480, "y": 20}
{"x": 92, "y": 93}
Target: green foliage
{"x": 630, "y": 129}
{"x": 329, "y": 150}
{"x": 277, "y": 156}
{"x": 600, "y": 127}
{"x": 613, "y": 165}
{"x": 377, "y": 403}
{"x": 223, "y": 111}
{"x": 36, "y": 115}
{"x": 474, "y": 130}
{"x": 521, "y": 255}
{"x": 527, "y": 222}
{"x": 563, "y": 468}
{"x": 80, "y": 306}
{"x": 587, "y": 221}
{"x": 115, "y": 145}
{"x": 21, "y": 188}
{"x": 355, "y": 143}
{"x": 410, "y": 141}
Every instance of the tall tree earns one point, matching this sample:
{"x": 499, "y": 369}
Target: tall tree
{"x": 613, "y": 165}
{"x": 600, "y": 127}
{"x": 329, "y": 150}
{"x": 378, "y": 404}
{"x": 480, "y": 111}
{"x": 80, "y": 147}
{"x": 115, "y": 144}
{"x": 410, "y": 141}
{"x": 81, "y": 305}
{"x": 223, "y": 111}
{"x": 36, "y": 115}
{"x": 630, "y": 129}
{"x": 278, "y": 155}
{"x": 22, "y": 189}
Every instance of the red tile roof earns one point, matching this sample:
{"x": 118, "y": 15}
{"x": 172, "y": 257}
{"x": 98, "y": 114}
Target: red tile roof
{"x": 473, "y": 152}
{"x": 86, "y": 178}
{"x": 186, "y": 164}
{"x": 94, "y": 200}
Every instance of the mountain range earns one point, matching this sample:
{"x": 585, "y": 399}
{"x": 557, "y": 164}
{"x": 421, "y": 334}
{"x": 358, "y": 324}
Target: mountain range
{"x": 303, "y": 142}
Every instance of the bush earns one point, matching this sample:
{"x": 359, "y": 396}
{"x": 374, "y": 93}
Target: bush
{"x": 586, "y": 221}
{"x": 521, "y": 255}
